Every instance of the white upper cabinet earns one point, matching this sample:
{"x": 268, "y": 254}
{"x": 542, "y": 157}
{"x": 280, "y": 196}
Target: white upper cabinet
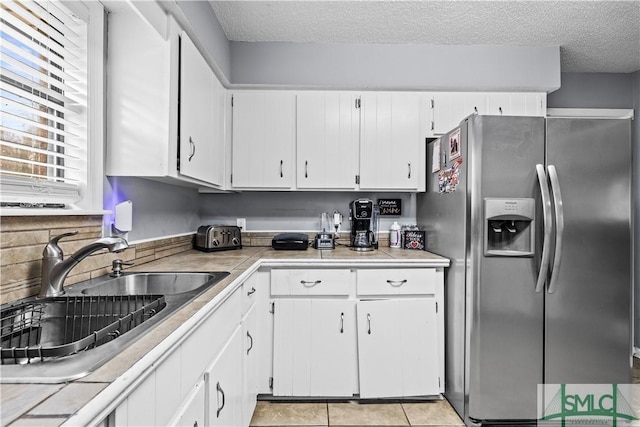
{"x": 393, "y": 130}
{"x": 144, "y": 120}
{"x": 263, "y": 140}
{"x": 450, "y": 108}
{"x": 516, "y": 104}
{"x": 328, "y": 130}
{"x": 201, "y": 117}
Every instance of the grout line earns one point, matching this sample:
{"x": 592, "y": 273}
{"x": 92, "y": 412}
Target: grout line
{"x": 405, "y": 414}
{"x": 328, "y": 422}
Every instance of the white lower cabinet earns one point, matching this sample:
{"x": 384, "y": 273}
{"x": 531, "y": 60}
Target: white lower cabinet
{"x": 380, "y": 335}
{"x": 398, "y": 347}
{"x": 250, "y": 366}
{"x": 314, "y": 347}
{"x": 193, "y": 411}
{"x": 224, "y": 384}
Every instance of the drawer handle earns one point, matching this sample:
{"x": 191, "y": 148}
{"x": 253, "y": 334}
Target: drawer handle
{"x": 250, "y": 342}
{"x": 310, "y": 284}
{"x": 251, "y": 291}
{"x": 369, "y": 323}
{"x": 342, "y": 323}
{"x": 397, "y": 283}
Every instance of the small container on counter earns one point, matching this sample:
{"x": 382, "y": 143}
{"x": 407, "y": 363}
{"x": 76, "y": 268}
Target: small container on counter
{"x": 413, "y": 238}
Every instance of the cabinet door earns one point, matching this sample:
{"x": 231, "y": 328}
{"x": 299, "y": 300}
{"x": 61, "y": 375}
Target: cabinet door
{"x": 390, "y": 141}
{"x": 516, "y": 104}
{"x": 192, "y": 412}
{"x": 200, "y": 117}
{"x": 250, "y": 355}
{"x": 224, "y": 384}
{"x": 263, "y": 139}
{"x": 450, "y": 108}
{"x": 328, "y": 131}
{"x": 314, "y": 348}
{"x": 398, "y": 348}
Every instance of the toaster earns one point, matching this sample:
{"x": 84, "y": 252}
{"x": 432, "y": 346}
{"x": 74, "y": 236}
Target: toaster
{"x": 211, "y": 238}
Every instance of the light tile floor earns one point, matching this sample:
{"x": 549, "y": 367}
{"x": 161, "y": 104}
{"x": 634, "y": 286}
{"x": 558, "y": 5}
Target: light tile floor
{"x": 438, "y": 413}
{"x": 432, "y": 413}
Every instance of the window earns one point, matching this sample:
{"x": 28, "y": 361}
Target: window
{"x": 44, "y": 120}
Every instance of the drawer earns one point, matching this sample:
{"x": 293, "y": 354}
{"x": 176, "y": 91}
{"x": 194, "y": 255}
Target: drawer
{"x": 398, "y": 281}
{"x": 311, "y": 282}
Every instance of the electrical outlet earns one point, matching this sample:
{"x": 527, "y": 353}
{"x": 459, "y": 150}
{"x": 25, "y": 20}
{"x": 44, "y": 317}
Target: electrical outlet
{"x": 242, "y": 223}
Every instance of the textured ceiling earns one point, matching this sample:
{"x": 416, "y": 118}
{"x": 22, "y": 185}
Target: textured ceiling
{"x": 594, "y": 36}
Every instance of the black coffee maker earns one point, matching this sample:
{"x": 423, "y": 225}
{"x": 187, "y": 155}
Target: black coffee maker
{"x": 363, "y": 214}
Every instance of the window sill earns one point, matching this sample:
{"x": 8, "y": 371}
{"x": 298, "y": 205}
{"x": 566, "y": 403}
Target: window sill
{"x": 51, "y": 212}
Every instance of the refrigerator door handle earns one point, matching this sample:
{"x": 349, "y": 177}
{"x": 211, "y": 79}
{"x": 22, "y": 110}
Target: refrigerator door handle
{"x": 546, "y": 221}
{"x": 557, "y": 201}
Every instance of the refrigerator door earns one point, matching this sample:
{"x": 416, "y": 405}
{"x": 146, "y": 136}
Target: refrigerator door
{"x": 505, "y": 314}
{"x": 444, "y": 217}
{"x": 588, "y": 313}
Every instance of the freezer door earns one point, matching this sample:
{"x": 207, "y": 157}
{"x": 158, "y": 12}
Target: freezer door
{"x": 505, "y": 313}
{"x": 588, "y": 315}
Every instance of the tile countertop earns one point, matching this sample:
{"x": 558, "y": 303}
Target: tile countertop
{"x": 53, "y": 404}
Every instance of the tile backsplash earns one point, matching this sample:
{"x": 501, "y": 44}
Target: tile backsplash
{"x": 23, "y": 238}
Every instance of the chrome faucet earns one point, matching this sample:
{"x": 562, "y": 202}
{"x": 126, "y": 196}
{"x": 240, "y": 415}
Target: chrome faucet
{"x": 55, "y": 267}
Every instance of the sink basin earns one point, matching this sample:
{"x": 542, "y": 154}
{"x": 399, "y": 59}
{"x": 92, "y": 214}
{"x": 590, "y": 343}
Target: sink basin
{"x": 169, "y": 283}
{"x": 59, "y": 339}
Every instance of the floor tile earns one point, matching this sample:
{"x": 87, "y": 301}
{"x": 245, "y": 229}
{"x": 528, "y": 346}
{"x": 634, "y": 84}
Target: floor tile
{"x": 366, "y": 414}
{"x": 438, "y": 412}
{"x": 289, "y": 414}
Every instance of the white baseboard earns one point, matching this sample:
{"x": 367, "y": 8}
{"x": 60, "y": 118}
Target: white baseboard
{"x": 636, "y": 352}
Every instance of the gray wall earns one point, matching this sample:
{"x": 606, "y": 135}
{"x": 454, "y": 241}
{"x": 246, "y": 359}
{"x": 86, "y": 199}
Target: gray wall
{"x": 159, "y": 209}
{"x": 293, "y": 211}
{"x": 387, "y": 66}
{"x": 593, "y": 90}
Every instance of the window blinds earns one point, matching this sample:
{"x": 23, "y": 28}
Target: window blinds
{"x": 43, "y": 95}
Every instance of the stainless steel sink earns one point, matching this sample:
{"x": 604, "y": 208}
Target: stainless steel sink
{"x": 153, "y": 283}
{"x": 59, "y": 339}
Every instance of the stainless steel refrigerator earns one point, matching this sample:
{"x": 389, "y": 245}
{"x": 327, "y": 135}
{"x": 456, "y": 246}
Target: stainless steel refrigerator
{"x": 535, "y": 215}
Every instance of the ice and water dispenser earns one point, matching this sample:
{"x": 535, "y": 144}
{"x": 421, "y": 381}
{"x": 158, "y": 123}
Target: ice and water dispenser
{"x": 509, "y": 227}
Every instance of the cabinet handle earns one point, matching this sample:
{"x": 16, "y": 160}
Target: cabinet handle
{"x": 397, "y": 283}
{"x": 281, "y": 163}
{"x": 342, "y": 323}
{"x": 192, "y": 144}
{"x": 475, "y": 110}
{"x": 220, "y": 391}
{"x": 433, "y": 126}
{"x": 195, "y": 424}
{"x": 306, "y": 164}
{"x": 409, "y": 167}
{"x": 368, "y": 323}
{"x": 309, "y": 284}
{"x": 250, "y": 342}
{"x": 500, "y": 110}
{"x": 251, "y": 291}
